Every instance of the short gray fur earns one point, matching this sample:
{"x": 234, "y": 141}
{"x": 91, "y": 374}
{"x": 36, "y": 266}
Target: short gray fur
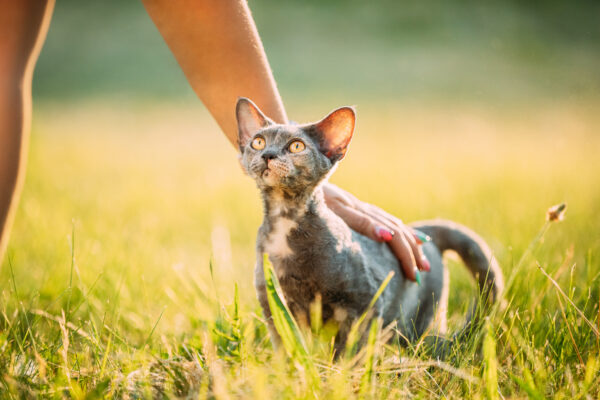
{"x": 314, "y": 252}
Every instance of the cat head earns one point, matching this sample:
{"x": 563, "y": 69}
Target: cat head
{"x": 292, "y": 158}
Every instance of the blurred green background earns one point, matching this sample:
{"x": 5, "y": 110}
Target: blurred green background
{"x": 352, "y": 51}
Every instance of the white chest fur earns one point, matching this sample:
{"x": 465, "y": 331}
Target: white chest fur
{"x": 276, "y": 243}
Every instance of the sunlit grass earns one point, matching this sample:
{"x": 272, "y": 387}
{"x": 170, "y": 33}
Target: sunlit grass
{"x": 130, "y": 268}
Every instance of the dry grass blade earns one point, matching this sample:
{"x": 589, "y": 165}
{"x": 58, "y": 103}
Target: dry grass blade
{"x": 423, "y": 365}
{"x": 562, "y": 311}
{"x": 61, "y": 322}
{"x": 564, "y": 295}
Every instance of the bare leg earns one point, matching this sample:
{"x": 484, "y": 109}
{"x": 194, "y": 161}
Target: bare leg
{"x": 23, "y": 28}
{"x": 220, "y": 52}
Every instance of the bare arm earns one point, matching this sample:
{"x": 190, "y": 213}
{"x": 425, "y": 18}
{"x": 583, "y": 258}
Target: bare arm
{"x": 220, "y": 52}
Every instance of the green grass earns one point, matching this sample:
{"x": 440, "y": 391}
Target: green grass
{"x": 130, "y": 266}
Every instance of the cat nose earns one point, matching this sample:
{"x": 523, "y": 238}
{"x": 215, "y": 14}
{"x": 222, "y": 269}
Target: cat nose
{"x": 269, "y": 155}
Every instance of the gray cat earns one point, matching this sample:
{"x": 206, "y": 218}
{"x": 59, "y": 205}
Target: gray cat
{"x": 314, "y": 252}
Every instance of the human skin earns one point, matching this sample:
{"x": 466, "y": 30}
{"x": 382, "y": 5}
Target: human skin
{"x": 220, "y": 52}
{"x": 23, "y": 28}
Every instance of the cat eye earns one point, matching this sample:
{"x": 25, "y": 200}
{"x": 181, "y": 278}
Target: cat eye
{"x": 296, "y": 146}
{"x": 258, "y": 143}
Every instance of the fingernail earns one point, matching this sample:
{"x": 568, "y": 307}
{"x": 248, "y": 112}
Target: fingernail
{"x": 425, "y": 264}
{"x": 421, "y": 236}
{"x": 418, "y": 277}
{"x": 383, "y": 233}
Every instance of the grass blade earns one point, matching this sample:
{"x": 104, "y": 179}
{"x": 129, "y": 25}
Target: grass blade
{"x": 490, "y": 367}
{"x": 367, "y": 378}
{"x": 286, "y": 326}
{"x": 526, "y": 385}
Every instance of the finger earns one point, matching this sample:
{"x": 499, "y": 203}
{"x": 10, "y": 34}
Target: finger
{"x": 373, "y": 224}
{"x": 411, "y": 239}
{"x": 403, "y": 252}
{"x": 417, "y": 249}
{"x": 420, "y": 236}
{"x": 363, "y": 224}
{"x": 384, "y": 229}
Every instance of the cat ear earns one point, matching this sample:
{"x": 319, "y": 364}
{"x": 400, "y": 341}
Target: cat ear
{"x": 334, "y": 132}
{"x": 250, "y": 120}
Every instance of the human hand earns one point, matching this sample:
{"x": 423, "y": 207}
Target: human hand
{"x": 378, "y": 225}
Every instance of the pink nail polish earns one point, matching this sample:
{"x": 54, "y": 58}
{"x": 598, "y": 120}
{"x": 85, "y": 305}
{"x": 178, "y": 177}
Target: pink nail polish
{"x": 425, "y": 264}
{"x": 384, "y": 234}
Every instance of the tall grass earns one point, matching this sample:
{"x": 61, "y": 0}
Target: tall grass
{"x": 130, "y": 269}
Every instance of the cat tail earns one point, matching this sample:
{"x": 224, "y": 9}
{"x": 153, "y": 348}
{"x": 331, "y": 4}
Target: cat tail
{"x": 477, "y": 256}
